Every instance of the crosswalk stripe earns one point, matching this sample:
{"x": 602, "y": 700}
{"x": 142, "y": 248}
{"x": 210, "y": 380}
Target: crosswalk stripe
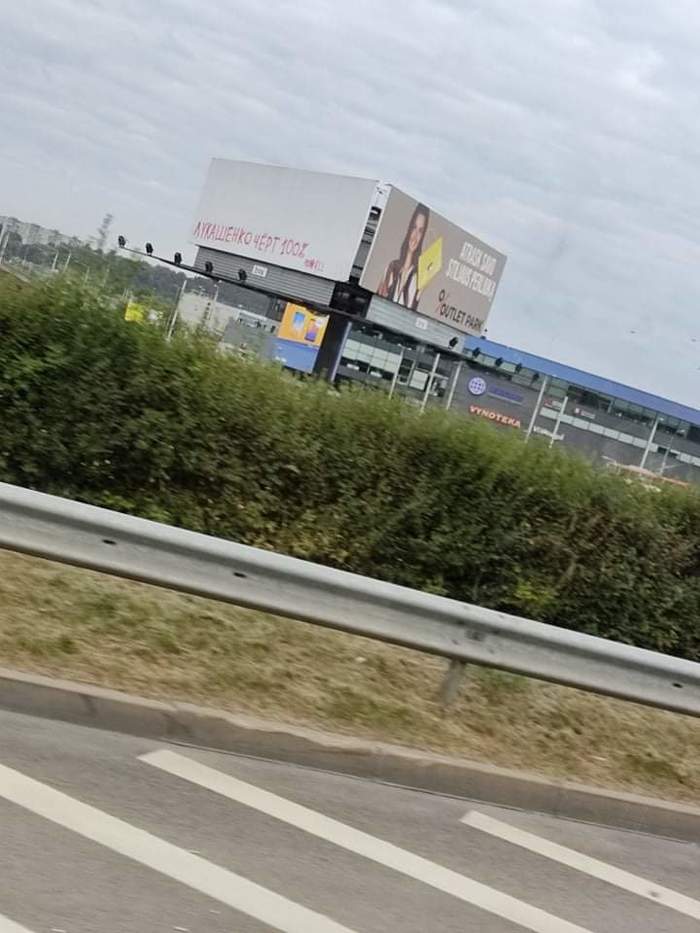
{"x": 9, "y": 926}
{"x": 361, "y": 843}
{"x": 137, "y": 844}
{"x": 584, "y": 863}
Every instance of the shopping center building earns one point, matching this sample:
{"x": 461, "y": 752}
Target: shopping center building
{"x": 603, "y": 420}
{"x": 363, "y": 284}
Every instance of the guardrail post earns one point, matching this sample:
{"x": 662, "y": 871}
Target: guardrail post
{"x": 452, "y": 681}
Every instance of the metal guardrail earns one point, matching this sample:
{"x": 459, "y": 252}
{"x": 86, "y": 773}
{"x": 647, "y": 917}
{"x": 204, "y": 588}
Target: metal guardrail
{"x": 125, "y": 546}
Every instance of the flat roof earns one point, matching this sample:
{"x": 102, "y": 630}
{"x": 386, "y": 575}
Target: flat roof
{"x": 586, "y": 380}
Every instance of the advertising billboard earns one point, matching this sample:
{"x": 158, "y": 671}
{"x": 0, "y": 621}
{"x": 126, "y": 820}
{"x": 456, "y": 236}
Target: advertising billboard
{"x": 299, "y": 337}
{"x": 308, "y": 221}
{"x": 425, "y": 263}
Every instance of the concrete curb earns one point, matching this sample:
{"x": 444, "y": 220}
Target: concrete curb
{"x": 87, "y": 705}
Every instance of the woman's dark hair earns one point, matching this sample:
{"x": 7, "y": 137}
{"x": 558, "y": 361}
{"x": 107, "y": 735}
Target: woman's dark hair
{"x": 419, "y": 209}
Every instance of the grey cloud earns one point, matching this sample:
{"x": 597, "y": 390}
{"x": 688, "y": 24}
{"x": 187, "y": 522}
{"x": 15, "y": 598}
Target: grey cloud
{"x": 562, "y": 131}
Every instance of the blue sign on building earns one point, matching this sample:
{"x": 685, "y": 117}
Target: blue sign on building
{"x": 293, "y": 355}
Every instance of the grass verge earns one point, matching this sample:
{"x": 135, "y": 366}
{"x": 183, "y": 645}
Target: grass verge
{"x": 84, "y": 626}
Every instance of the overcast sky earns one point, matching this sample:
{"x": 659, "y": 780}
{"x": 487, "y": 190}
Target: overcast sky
{"x": 563, "y": 132}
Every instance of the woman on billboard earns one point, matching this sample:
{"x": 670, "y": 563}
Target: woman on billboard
{"x": 400, "y": 281}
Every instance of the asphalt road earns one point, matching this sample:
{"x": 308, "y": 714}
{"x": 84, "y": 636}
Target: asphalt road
{"x": 103, "y": 832}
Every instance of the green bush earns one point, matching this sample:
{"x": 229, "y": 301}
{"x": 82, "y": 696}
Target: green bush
{"x": 107, "y": 412}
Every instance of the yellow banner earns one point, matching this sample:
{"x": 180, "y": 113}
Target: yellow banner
{"x": 135, "y": 312}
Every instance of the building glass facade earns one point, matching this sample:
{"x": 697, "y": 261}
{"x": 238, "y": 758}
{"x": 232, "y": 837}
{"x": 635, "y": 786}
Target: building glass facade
{"x": 606, "y": 422}
{"x": 380, "y": 359}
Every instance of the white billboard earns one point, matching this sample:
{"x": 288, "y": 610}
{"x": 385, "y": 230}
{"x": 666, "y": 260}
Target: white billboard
{"x": 308, "y": 221}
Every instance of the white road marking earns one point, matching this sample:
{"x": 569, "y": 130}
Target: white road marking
{"x": 584, "y": 863}
{"x": 9, "y": 926}
{"x": 191, "y": 870}
{"x": 361, "y": 843}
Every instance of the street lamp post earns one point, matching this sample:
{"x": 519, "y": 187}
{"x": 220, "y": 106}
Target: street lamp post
{"x": 453, "y": 385}
{"x": 557, "y": 423}
{"x": 211, "y": 306}
{"x": 176, "y": 312}
{"x": 650, "y": 441}
{"x": 429, "y": 384}
{"x": 538, "y": 408}
{"x": 395, "y": 377}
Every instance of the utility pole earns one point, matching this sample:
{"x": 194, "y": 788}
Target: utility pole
{"x": 103, "y": 232}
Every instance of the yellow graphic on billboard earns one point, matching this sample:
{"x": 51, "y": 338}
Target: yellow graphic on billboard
{"x": 429, "y": 263}
{"x": 300, "y": 325}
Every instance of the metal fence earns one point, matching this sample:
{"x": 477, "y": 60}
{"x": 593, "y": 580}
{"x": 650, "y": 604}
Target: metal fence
{"x": 125, "y": 546}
